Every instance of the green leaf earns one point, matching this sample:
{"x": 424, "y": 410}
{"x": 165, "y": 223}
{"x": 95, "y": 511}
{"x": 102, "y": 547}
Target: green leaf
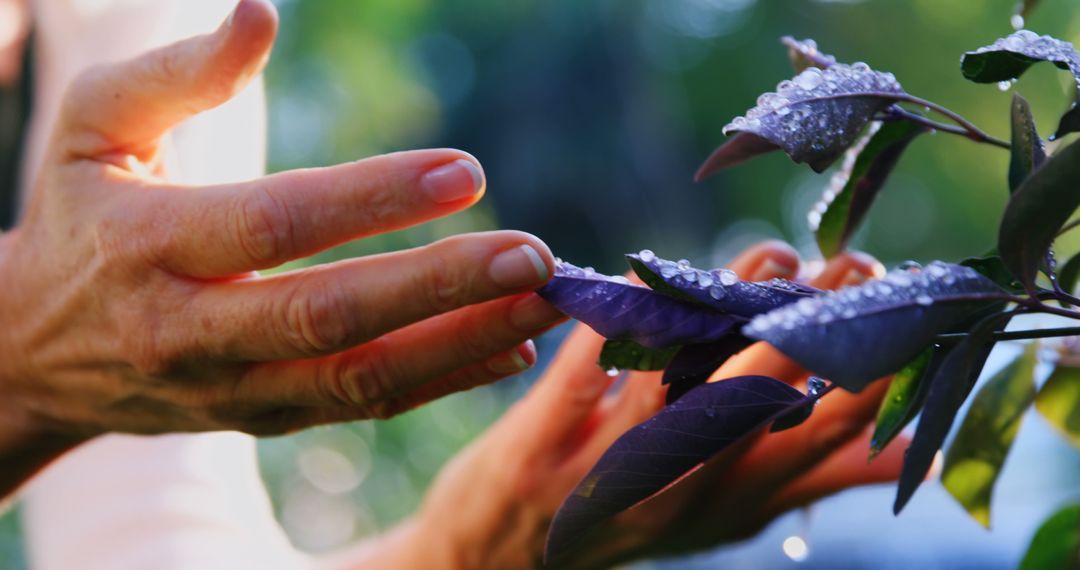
{"x": 1027, "y": 147}
{"x": 1035, "y": 212}
{"x": 902, "y": 402}
{"x": 1068, "y": 273}
{"x": 977, "y": 454}
{"x": 1059, "y": 402}
{"x": 629, "y": 355}
{"x": 994, "y": 269}
{"x": 853, "y": 189}
{"x": 1056, "y": 545}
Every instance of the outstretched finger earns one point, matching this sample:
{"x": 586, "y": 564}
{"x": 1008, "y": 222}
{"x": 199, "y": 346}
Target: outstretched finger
{"x": 401, "y": 365}
{"x": 846, "y": 468}
{"x": 327, "y": 309}
{"x": 232, "y": 229}
{"x": 135, "y": 102}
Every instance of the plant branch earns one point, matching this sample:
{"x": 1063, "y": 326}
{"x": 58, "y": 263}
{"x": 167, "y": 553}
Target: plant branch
{"x": 1013, "y": 335}
{"x": 968, "y": 128}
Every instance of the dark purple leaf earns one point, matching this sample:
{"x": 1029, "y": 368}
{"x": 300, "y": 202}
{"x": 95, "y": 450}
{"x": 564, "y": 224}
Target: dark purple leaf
{"x": 813, "y": 118}
{"x": 949, "y": 388}
{"x": 629, "y": 355}
{"x": 720, "y": 289}
{"x": 666, "y": 447}
{"x": 854, "y": 187}
{"x": 694, "y": 363}
{"x": 1009, "y": 57}
{"x": 619, "y": 310}
{"x": 859, "y": 334}
{"x": 739, "y": 149}
{"x": 804, "y": 54}
{"x": 1027, "y": 148}
{"x": 1036, "y": 211}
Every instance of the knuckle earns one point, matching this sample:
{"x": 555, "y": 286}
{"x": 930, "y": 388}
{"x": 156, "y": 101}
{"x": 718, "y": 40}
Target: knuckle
{"x": 317, "y": 318}
{"x": 263, "y": 227}
{"x": 368, "y": 382}
{"x": 443, "y": 287}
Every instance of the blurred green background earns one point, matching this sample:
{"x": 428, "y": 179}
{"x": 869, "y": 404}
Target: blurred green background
{"x": 590, "y": 117}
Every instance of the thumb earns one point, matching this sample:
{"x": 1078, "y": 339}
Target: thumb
{"x": 126, "y": 107}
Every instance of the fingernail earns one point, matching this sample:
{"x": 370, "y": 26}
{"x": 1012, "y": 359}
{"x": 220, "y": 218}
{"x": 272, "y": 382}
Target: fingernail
{"x": 868, "y": 261}
{"x": 452, "y": 181}
{"x": 533, "y": 313}
{"x": 518, "y": 267}
{"x": 853, "y": 277}
{"x": 514, "y": 361}
{"x": 770, "y": 269}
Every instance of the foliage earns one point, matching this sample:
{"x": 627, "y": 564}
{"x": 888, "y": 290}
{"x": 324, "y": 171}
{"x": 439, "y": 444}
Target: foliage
{"x": 932, "y": 326}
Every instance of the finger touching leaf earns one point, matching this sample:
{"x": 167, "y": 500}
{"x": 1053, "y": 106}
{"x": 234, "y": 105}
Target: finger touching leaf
{"x": 620, "y": 310}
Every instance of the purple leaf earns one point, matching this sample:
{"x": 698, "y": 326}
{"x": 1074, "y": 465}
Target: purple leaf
{"x": 859, "y": 334}
{"x": 619, "y": 310}
{"x": 720, "y": 289}
{"x": 694, "y": 363}
{"x": 804, "y": 54}
{"x": 950, "y": 386}
{"x": 813, "y": 118}
{"x": 666, "y": 447}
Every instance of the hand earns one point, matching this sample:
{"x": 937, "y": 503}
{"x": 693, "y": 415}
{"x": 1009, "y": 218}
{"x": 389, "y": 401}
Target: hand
{"x": 491, "y": 506}
{"x": 131, "y": 304}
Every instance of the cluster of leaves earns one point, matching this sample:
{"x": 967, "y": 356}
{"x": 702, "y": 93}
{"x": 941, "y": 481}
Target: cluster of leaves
{"x": 930, "y": 327}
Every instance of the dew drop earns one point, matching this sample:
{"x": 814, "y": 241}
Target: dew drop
{"x": 717, "y": 292}
{"x": 620, "y": 280}
{"x": 704, "y": 279}
{"x": 728, "y": 277}
{"x": 909, "y": 265}
{"x": 612, "y": 372}
{"x": 1004, "y": 85}
{"x": 809, "y": 79}
{"x": 815, "y": 385}
{"x": 924, "y": 300}
{"x": 683, "y": 264}
{"x": 647, "y": 255}
{"x": 1017, "y": 22}
{"x": 668, "y": 271}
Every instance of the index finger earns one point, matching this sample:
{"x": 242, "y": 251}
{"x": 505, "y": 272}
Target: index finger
{"x": 232, "y": 229}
